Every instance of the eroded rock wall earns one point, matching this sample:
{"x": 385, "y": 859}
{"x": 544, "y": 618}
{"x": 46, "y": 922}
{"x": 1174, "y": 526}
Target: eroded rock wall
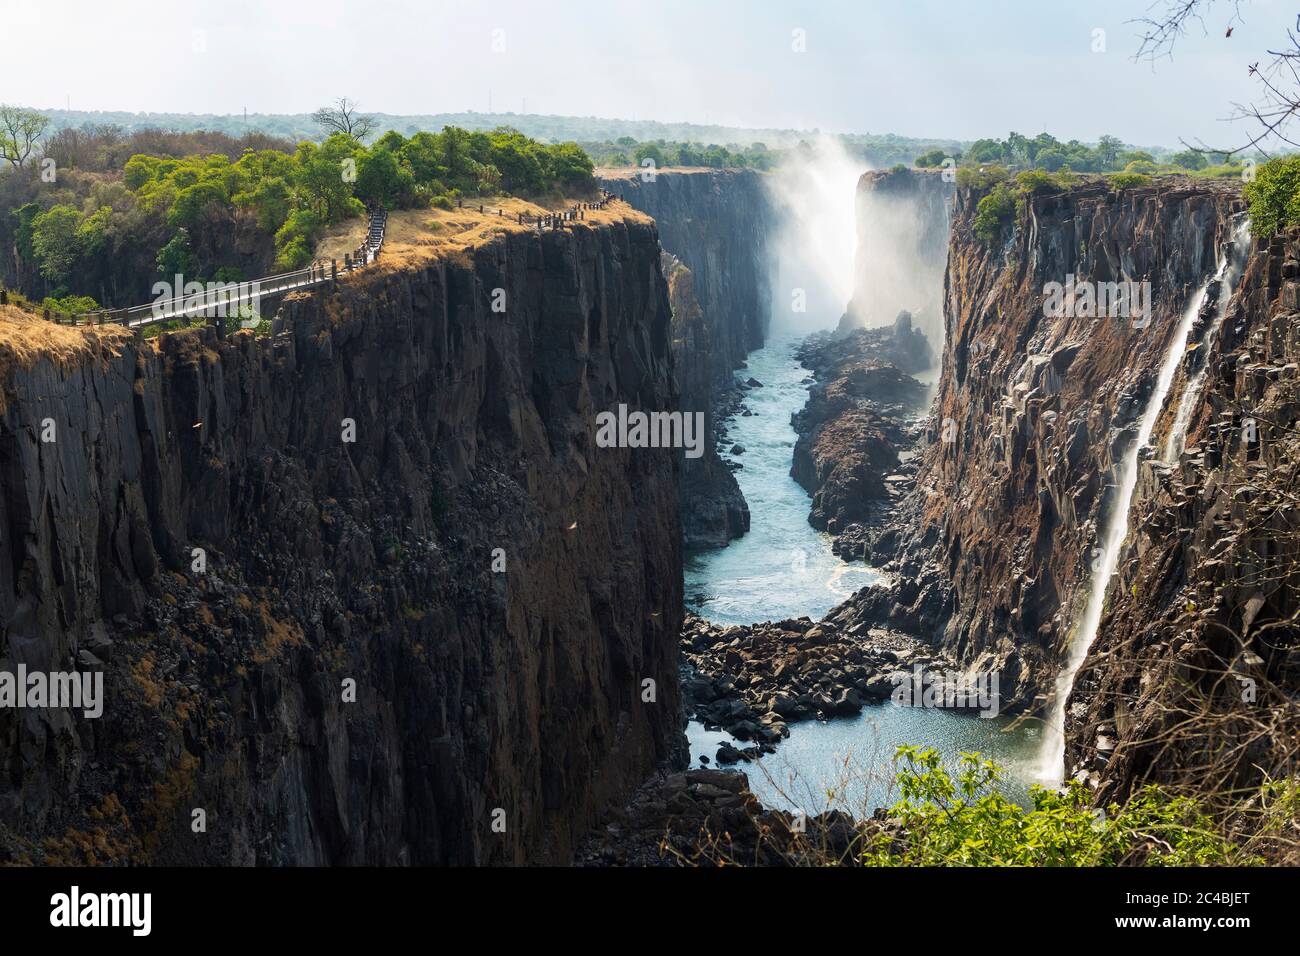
{"x": 514, "y": 697}
{"x": 713, "y": 509}
{"x": 1193, "y": 678}
{"x": 714, "y": 224}
{"x": 1033, "y": 415}
{"x": 717, "y": 222}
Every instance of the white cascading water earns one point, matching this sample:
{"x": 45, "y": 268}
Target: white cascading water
{"x": 1230, "y": 269}
{"x": 1052, "y": 763}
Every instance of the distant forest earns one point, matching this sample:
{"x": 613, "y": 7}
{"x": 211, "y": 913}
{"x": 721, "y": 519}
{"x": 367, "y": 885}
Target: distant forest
{"x": 609, "y": 142}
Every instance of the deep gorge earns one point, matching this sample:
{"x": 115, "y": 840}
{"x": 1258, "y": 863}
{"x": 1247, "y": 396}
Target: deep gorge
{"x": 502, "y": 716}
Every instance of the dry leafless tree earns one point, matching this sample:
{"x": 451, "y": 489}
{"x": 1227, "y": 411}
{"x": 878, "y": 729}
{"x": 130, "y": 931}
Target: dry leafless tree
{"x": 342, "y": 117}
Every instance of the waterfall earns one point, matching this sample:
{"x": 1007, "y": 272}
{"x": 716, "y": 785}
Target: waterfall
{"x": 1114, "y": 532}
{"x": 1231, "y": 266}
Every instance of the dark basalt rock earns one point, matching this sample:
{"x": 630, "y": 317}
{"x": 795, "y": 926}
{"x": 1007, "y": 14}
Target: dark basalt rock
{"x": 713, "y": 226}
{"x": 861, "y": 413}
{"x": 1194, "y": 675}
{"x": 331, "y": 562}
{"x": 752, "y": 680}
{"x": 992, "y": 554}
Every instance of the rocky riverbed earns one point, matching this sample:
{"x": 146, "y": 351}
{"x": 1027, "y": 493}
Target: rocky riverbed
{"x": 752, "y": 681}
{"x": 858, "y": 431}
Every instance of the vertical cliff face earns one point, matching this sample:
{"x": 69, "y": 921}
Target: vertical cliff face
{"x": 713, "y": 509}
{"x": 365, "y": 591}
{"x": 1033, "y": 415}
{"x": 1193, "y": 678}
{"x": 903, "y": 218}
{"x": 715, "y": 224}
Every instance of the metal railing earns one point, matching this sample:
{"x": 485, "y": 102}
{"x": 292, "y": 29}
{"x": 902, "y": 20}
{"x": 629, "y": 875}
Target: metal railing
{"x": 226, "y": 299}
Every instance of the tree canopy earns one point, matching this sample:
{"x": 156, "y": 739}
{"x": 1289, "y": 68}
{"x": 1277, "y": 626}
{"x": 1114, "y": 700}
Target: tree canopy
{"x": 128, "y": 207}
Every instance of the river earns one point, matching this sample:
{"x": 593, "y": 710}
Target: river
{"x": 784, "y": 568}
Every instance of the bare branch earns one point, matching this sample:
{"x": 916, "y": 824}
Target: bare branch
{"x": 342, "y": 117}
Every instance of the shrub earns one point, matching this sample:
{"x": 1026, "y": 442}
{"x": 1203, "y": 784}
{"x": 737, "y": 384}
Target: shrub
{"x": 964, "y": 821}
{"x": 177, "y": 256}
{"x": 295, "y": 240}
{"x": 994, "y": 211}
{"x": 1274, "y": 196}
{"x": 980, "y": 177}
{"x": 1035, "y": 182}
{"x": 1190, "y": 159}
{"x": 934, "y": 158}
{"x": 71, "y": 304}
{"x": 293, "y": 254}
{"x": 1129, "y": 180}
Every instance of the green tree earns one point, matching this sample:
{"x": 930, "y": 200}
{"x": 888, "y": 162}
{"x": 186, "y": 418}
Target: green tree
{"x": 392, "y": 141}
{"x": 20, "y": 129}
{"x": 1190, "y": 159}
{"x": 985, "y": 151}
{"x": 1135, "y": 156}
{"x": 1108, "y": 148}
{"x": 55, "y": 242}
{"x": 932, "y": 159}
{"x": 519, "y": 161}
{"x": 320, "y": 183}
{"x": 422, "y": 155}
{"x": 177, "y": 257}
{"x": 272, "y": 201}
{"x": 570, "y": 167}
{"x": 1274, "y": 196}
{"x": 1050, "y": 159}
{"x": 381, "y": 179}
{"x": 296, "y": 239}
{"x": 24, "y": 227}
{"x": 649, "y": 151}
{"x": 455, "y": 157}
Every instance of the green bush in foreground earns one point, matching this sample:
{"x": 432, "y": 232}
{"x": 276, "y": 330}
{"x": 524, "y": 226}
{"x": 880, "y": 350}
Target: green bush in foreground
{"x": 942, "y": 820}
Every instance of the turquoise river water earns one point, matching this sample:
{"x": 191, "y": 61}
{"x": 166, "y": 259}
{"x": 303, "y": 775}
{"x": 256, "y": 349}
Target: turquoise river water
{"x": 784, "y": 568}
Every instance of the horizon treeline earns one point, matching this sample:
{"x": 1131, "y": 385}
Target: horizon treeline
{"x": 1108, "y": 155}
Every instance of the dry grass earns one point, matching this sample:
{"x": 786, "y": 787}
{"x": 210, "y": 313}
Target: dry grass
{"x": 342, "y": 238}
{"x": 418, "y": 237}
{"x": 277, "y": 636}
{"x": 26, "y": 338}
{"x": 415, "y": 238}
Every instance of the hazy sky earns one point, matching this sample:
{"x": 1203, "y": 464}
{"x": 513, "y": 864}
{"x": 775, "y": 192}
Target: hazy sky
{"x": 955, "y": 68}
